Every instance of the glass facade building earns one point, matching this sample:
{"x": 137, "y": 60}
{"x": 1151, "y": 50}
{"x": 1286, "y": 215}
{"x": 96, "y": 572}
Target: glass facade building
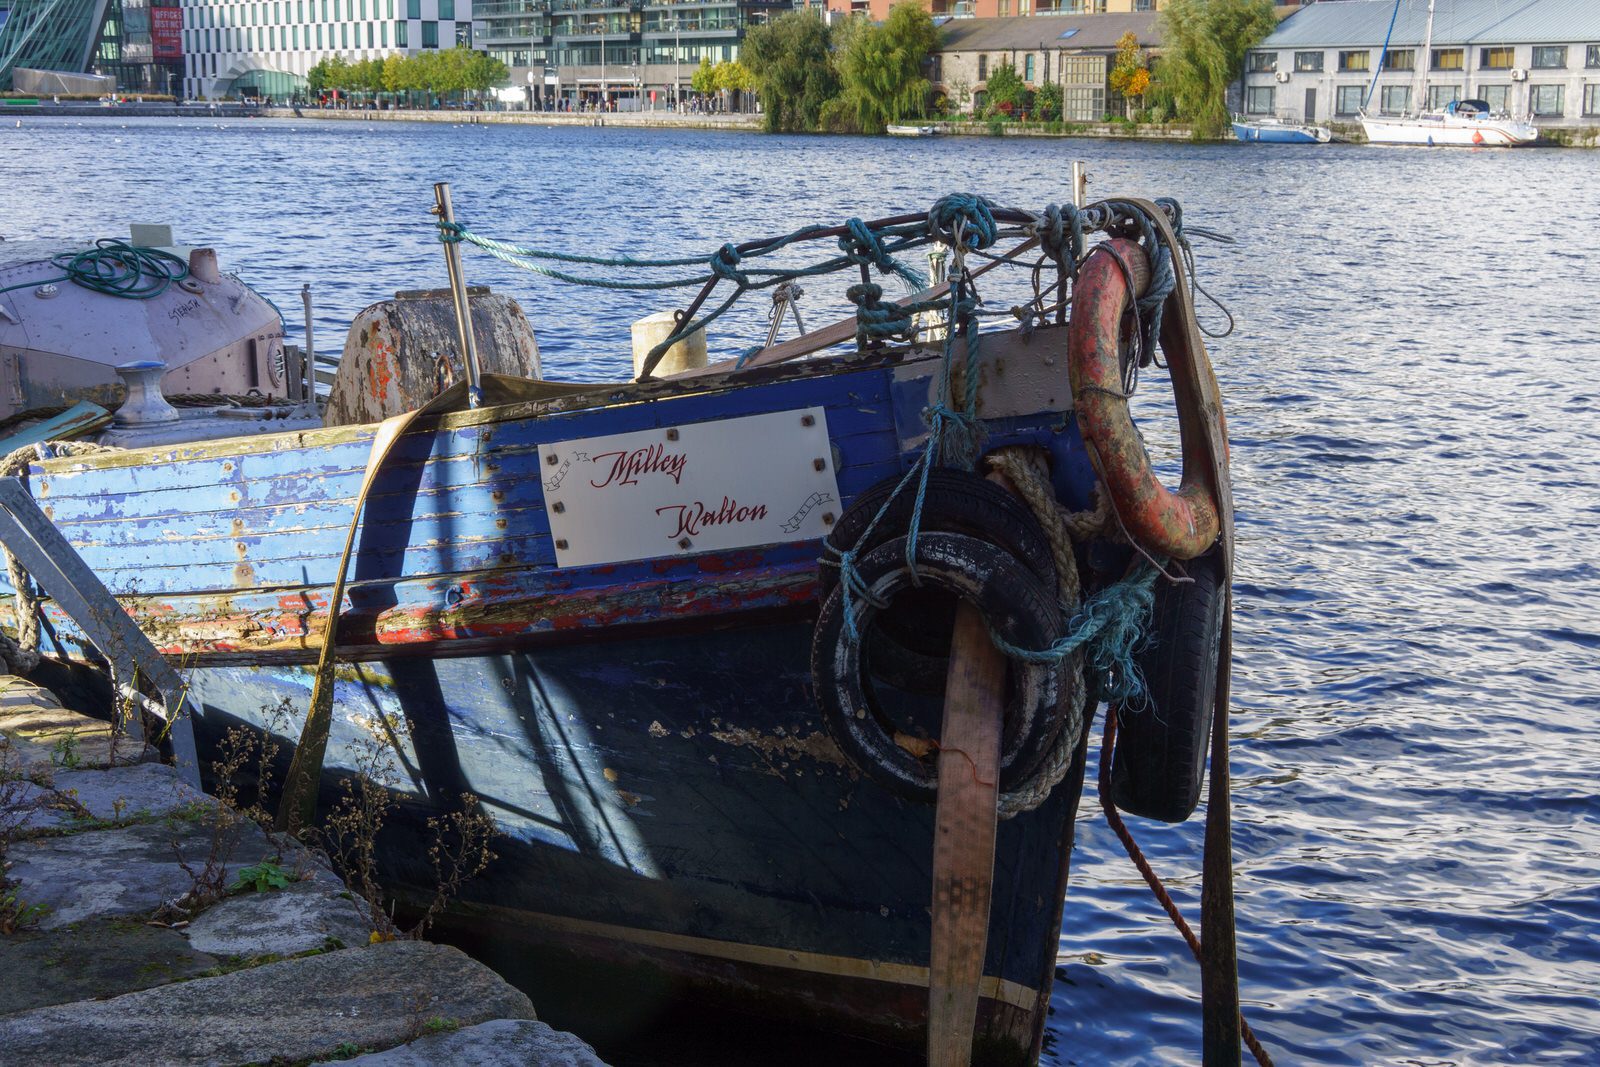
{"x": 134, "y": 41}
{"x": 632, "y": 49}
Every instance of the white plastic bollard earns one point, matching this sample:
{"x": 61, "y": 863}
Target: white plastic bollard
{"x": 687, "y": 354}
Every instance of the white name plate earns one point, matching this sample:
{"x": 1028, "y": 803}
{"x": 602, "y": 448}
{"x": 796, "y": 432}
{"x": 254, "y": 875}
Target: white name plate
{"x": 700, "y": 487}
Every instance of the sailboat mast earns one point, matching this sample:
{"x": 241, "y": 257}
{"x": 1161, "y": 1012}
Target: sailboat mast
{"x": 1424, "y": 62}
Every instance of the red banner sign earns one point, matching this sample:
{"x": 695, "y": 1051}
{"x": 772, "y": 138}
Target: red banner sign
{"x": 166, "y": 32}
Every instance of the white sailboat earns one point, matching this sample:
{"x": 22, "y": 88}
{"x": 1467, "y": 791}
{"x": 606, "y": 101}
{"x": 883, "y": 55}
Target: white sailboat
{"x": 1469, "y": 123}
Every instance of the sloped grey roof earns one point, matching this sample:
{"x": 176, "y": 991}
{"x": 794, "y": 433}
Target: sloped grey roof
{"x": 1094, "y": 32}
{"x": 1363, "y": 23}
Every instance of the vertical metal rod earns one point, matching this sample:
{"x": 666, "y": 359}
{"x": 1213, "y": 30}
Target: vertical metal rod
{"x": 458, "y": 294}
{"x": 309, "y": 371}
{"x": 1080, "y": 184}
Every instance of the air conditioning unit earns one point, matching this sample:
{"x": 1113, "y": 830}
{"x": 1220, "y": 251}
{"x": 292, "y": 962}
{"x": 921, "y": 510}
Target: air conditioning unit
{"x": 1519, "y": 75}
{"x": 1282, "y": 75}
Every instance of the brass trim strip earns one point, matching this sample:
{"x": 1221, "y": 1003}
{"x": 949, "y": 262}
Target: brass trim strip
{"x": 1001, "y": 990}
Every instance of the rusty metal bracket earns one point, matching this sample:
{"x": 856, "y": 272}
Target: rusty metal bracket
{"x": 55, "y": 565}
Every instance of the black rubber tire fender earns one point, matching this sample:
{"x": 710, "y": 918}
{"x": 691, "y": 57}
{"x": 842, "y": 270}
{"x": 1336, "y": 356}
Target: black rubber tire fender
{"x": 911, "y": 647}
{"x": 957, "y": 501}
{"x": 1012, "y": 600}
{"x": 1162, "y": 742}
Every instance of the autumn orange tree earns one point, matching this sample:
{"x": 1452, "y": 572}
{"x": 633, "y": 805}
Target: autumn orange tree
{"x": 1130, "y": 74}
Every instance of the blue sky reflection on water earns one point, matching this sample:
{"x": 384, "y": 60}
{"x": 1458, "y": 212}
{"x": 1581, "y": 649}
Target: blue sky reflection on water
{"x": 1416, "y": 441}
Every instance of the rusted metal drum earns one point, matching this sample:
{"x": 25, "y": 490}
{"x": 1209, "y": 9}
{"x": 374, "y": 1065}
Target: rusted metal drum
{"x": 401, "y": 353}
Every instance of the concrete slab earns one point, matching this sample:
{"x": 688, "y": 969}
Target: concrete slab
{"x": 501, "y": 1043}
{"x": 43, "y": 733}
{"x": 297, "y": 1010}
{"x": 283, "y": 922}
{"x": 119, "y": 873}
{"x": 102, "y": 958}
{"x": 140, "y": 792}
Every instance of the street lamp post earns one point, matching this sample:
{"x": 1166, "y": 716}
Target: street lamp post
{"x": 677, "y": 49}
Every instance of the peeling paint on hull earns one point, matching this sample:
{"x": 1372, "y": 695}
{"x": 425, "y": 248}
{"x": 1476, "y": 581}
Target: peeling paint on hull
{"x": 645, "y": 733}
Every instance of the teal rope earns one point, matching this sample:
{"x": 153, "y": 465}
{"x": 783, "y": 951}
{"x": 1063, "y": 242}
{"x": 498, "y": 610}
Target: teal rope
{"x": 1110, "y": 627}
{"x": 115, "y": 268}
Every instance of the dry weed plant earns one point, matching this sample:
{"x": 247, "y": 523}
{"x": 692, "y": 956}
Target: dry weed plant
{"x": 239, "y": 748}
{"x": 458, "y": 847}
{"x": 16, "y": 805}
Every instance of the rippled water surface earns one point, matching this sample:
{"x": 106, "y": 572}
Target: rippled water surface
{"x": 1416, "y": 445}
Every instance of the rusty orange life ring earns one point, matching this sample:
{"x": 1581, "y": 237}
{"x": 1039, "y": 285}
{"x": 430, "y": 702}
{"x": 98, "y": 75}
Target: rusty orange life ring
{"x": 1184, "y": 523}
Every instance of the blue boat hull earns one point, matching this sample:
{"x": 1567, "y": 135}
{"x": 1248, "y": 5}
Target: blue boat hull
{"x": 1269, "y": 135}
{"x": 645, "y": 733}
{"x": 675, "y": 800}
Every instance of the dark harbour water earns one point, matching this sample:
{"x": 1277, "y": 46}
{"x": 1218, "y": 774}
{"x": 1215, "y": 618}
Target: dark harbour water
{"x": 1415, "y": 413}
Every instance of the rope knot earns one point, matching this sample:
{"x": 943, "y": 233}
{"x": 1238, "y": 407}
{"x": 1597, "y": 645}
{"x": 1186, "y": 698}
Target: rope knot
{"x": 1060, "y": 232}
{"x": 450, "y": 233}
{"x": 861, "y": 246}
{"x": 875, "y": 320}
{"x": 976, "y": 213}
{"x": 725, "y": 264}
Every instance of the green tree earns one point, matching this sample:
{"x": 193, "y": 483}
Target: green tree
{"x": 733, "y": 76}
{"x": 704, "y": 78}
{"x": 881, "y": 67}
{"x": 793, "y": 69}
{"x": 395, "y": 73}
{"x": 1203, "y": 52}
{"x": 1047, "y": 99}
{"x": 1008, "y": 93}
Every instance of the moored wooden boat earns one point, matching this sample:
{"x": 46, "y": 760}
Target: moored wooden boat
{"x": 601, "y": 611}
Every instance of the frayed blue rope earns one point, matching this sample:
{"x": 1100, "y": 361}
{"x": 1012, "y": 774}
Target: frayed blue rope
{"x": 1109, "y": 628}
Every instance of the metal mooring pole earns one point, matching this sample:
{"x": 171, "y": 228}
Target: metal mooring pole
{"x": 1080, "y": 184}
{"x": 458, "y": 294}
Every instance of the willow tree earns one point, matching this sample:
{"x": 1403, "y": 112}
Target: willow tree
{"x": 1205, "y": 42}
{"x": 881, "y": 67}
{"x": 793, "y": 70}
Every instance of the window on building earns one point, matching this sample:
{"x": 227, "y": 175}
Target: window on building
{"x": 1440, "y": 95}
{"x": 1395, "y": 99}
{"x": 294, "y": 37}
{"x": 464, "y": 37}
{"x": 1449, "y": 58}
{"x": 1548, "y": 99}
{"x": 1498, "y": 97}
{"x": 344, "y": 35}
{"x": 1591, "y": 99}
{"x": 430, "y": 35}
{"x": 1592, "y": 56}
{"x": 1028, "y": 67}
{"x": 413, "y": 9}
{"x": 1361, "y": 60}
{"x": 401, "y": 39}
{"x": 372, "y": 36}
{"x": 325, "y": 17}
{"x": 1262, "y": 62}
{"x": 1550, "y": 57}
{"x": 1258, "y": 99}
{"x": 1083, "y": 104}
{"x": 447, "y": 9}
{"x": 1005, "y": 8}
{"x": 983, "y": 68}
{"x": 319, "y": 36}
{"x": 383, "y": 35}
{"x": 1497, "y": 58}
{"x": 1347, "y": 99}
{"x": 1308, "y": 62}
